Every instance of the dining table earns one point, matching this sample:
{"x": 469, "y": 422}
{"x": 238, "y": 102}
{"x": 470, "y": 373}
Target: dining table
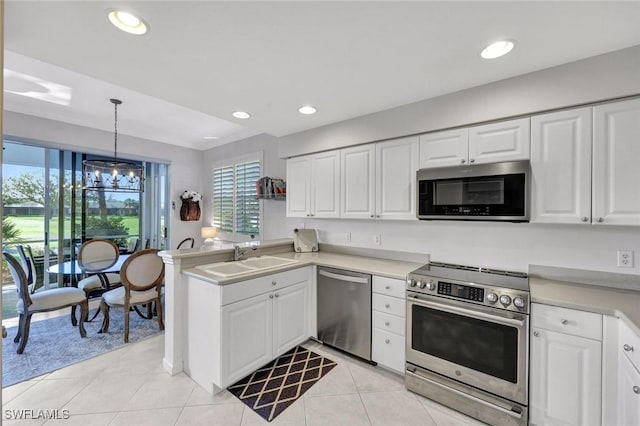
{"x": 72, "y": 267}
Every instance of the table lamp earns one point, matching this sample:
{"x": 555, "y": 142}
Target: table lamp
{"x": 208, "y": 233}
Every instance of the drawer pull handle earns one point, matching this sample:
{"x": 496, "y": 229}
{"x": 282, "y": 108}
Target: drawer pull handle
{"x": 386, "y": 305}
{"x": 627, "y": 348}
{"x": 273, "y": 282}
{"x": 564, "y": 321}
{"x": 387, "y": 342}
{"x": 387, "y": 287}
{"x": 387, "y": 323}
{"x": 636, "y": 389}
{"x": 535, "y": 333}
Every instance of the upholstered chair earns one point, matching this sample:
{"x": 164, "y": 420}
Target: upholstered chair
{"x": 43, "y": 301}
{"x": 142, "y": 275}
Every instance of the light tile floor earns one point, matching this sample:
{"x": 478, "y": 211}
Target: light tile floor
{"x": 129, "y": 387}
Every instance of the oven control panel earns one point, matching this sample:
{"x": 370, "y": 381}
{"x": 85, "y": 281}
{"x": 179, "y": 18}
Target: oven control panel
{"x": 461, "y": 291}
{"x": 492, "y": 296}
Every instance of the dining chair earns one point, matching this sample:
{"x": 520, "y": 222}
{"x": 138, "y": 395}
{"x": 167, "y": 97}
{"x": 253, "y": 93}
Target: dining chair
{"x": 142, "y": 275}
{"x": 186, "y": 243}
{"x": 94, "y": 257}
{"x": 43, "y": 301}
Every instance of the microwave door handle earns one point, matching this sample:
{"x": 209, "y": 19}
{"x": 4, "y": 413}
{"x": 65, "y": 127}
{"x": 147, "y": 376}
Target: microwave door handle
{"x": 469, "y": 312}
{"x": 348, "y": 278}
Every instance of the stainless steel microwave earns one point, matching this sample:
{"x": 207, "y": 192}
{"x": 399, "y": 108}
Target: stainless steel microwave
{"x": 496, "y": 192}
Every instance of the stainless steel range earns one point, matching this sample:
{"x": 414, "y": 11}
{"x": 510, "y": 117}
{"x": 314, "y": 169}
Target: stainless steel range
{"x": 468, "y": 340}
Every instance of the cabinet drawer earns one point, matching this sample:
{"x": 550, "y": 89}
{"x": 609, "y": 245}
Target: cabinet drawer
{"x": 388, "y": 349}
{"x": 569, "y": 321}
{"x": 629, "y": 344}
{"x": 249, "y": 288}
{"x": 389, "y": 286}
{"x": 392, "y": 323}
{"x": 388, "y": 305}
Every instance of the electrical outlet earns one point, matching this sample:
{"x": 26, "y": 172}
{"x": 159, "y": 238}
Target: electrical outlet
{"x": 376, "y": 239}
{"x": 625, "y": 259}
{"x": 347, "y": 237}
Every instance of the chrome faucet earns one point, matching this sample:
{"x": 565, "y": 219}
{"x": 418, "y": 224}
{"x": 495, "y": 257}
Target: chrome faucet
{"x": 239, "y": 254}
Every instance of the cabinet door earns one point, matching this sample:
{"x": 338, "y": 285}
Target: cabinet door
{"x": 396, "y": 167}
{"x": 504, "y": 141}
{"x": 325, "y": 184}
{"x": 561, "y": 167}
{"x": 247, "y": 339}
{"x": 440, "y": 149}
{"x": 628, "y": 393}
{"x": 565, "y": 374}
{"x": 357, "y": 182}
{"x": 290, "y": 317}
{"x": 298, "y": 187}
{"x": 616, "y": 163}
{"x": 388, "y": 349}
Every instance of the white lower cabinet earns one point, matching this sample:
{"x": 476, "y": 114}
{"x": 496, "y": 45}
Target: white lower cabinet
{"x": 236, "y": 328}
{"x": 628, "y": 393}
{"x": 388, "y": 323}
{"x": 565, "y": 369}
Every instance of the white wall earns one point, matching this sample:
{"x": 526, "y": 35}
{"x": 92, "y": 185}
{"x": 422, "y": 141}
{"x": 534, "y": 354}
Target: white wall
{"x": 589, "y": 80}
{"x": 500, "y": 245}
{"x": 274, "y": 222}
{"x": 185, "y": 170}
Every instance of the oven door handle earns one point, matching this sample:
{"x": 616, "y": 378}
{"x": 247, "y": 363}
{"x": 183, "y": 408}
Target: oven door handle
{"x": 467, "y": 312}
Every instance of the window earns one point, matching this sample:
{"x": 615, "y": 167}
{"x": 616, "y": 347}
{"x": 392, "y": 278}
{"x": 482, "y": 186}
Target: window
{"x": 235, "y": 206}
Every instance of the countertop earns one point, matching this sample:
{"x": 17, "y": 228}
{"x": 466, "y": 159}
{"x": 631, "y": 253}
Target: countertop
{"x": 370, "y": 265}
{"x": 565, "y": 288}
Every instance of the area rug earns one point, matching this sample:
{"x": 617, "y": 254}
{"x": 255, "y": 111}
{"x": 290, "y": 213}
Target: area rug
{"x": 54, "y": 343}
{"x": 271, "y": 389}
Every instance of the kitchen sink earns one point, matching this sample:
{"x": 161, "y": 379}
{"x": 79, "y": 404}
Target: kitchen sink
{"x": 267, "y": 262}
{"x": 253, "y": 264}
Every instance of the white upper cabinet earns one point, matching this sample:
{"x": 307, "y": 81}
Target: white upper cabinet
{"x": 396, "y": 167}
{"x": 497, "y": 142}
{"x": 616, "y": 163}
{"x": 298, "y": 186}
{"x": 313, "y": 185}
{"x": 489, "y": 143}
{"x": 441, "y": 149}
{"x": 358, "y": 182}
{"x": 378, "y": 180}
{"x": 561, "y": 167}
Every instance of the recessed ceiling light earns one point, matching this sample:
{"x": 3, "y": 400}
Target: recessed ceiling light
{"x": 127, "y": 22}
{"x": 307, "y": 109}
{"x": 497, "y": 49}
{"x": 211, "y": 138}
{"x": 241, "y": 115}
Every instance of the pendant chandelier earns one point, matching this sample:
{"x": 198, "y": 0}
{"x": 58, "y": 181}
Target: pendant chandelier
{"x": 116, "y": 175}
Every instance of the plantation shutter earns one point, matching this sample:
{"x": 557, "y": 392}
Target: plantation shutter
{"x": 247, "y": 205}
{"x": 235, "y": 206}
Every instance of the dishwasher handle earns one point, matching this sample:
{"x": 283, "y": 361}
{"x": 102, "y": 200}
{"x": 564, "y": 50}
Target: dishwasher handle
{"x": 348, "y": 278}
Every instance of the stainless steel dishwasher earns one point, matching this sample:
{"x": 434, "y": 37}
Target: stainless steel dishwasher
{"x": 344, "y": 310}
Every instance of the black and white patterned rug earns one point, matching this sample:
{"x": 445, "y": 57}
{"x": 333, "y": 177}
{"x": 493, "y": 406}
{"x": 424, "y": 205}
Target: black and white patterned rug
{"x": 54, "y": 343}
{"x": 271, "y": 389}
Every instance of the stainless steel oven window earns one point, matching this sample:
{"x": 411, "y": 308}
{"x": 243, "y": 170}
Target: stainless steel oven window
{"x": 473, "y": 343}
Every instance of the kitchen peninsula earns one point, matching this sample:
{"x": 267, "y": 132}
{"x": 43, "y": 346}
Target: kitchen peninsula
{"x": 194, "y": 298}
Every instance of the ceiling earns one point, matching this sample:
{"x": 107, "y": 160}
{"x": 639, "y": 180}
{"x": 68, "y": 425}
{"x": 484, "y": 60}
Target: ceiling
{"x": 202, "y": 60}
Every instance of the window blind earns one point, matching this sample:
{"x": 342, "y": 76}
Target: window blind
{"x": 235, "y": 206}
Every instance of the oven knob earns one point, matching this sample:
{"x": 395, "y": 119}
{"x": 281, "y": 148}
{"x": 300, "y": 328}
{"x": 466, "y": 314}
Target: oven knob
{"x": 421, "y": 284}
{"x": 492, "y": 297}
{"x": 505, "y": 300}
{"x": 431, "y": 285}
{"x": 518, "y": 302}
{"x": 411, "y": 282}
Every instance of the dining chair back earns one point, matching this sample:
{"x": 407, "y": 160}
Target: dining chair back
{"x": 94, "y": 257}
{"x": 44, "y": 301}
{"x": 142, "y": 275}
{"x": 28, "y": 265}
{"x": 186, "y": 243}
